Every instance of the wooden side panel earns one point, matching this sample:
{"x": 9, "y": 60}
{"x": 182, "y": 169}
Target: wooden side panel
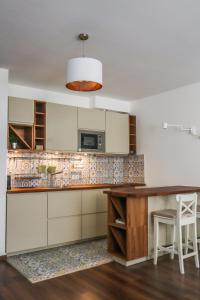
{"x": 137, "y": 227}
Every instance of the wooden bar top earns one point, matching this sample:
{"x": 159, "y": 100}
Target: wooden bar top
{"x": 69, "y": 187}
{"x": 151, "y": 191}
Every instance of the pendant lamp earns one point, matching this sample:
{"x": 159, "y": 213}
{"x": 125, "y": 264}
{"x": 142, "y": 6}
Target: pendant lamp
{"x": 84, "y": 74}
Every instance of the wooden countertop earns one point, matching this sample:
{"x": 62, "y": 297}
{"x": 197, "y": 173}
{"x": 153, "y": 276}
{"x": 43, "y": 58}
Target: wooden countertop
{"x": 151, "y": 191}
{"x": 70, "y": 187}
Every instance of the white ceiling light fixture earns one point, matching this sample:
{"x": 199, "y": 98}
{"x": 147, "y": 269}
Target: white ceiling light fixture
{"x": 84, "y": 74}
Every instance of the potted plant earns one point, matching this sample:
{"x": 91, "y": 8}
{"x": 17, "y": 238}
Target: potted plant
{"x": 13, "y": 141}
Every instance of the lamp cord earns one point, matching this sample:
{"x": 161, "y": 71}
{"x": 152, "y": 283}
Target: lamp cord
{"x": 83, "y": 49}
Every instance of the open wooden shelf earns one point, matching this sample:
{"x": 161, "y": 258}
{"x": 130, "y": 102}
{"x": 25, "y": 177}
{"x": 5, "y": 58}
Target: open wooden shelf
{"x": 40, "y": 125}
{"x": 118, "y": 225}
{"x": 128, "y": 241}
{"x": 23, "y": 134}
{"x": 119, "y": 209}
{"x": 117, "y": 232}
{"x": 120, "y": 237}
{"x": 132, "y": 134}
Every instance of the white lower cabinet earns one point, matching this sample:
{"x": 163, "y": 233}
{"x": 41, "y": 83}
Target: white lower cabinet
{"x": 64, "y": 204}
{"x": 94, "y": 225}
{"x": 94, "y": 213}
{"x": 88, "y": 226}
{"x": 26, "y": 221}
{"x": 101, "y": 224}
{"x": 63, "y": 230}
{"x": 93, "y": 201}
{"x": 37, "y": 220}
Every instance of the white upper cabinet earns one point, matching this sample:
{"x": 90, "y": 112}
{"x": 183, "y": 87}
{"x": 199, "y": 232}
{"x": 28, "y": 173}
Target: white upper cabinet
{"x": 117, "y": 133}
{"x": 92, "y": 119}
{"x": 61, "y": 127}
{"x": 20, "y": 111}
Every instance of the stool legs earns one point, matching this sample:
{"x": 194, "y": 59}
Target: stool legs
{"x": 180, "y": 248}
{"x": 173, "y": 240}
{"x": 195, "y": 247}
{"x": 186, "y": 238}
{"x": 156, "y": 241}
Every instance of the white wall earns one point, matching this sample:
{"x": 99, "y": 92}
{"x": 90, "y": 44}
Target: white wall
{"x": 3, "y": 154}
{"x": 171, "y": 157}
{"x": 74, "y": 99}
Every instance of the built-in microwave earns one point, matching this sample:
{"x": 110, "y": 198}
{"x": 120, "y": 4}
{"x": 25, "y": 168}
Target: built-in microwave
{"x": 91, "y": 141}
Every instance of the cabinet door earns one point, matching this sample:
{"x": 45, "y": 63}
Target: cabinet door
{"x": 61, "y": 127}
{"x": 117, "y": 133}
{"x": 94, "y": 225}
{"x": 20, "y": 111}
{"x": 26, "y": 221}
{"x": 101, "y": 224}
{"x": 89, "y": 201}
{"x": 63, "y": 230}
{"x": 93, "y": 201}
{"x": 89, "y": 226}
{"x": 92, "y": 119}
{"x": 101, "y": 202}
{"x": 66, "y": 203}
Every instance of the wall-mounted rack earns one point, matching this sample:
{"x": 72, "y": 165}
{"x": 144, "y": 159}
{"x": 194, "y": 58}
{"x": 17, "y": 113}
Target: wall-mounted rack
{"x": 132, "y": 134}
{"x": 23, "y": 135}
{"x": 40, "y": 125}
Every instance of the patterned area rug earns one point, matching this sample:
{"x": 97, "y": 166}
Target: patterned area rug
{"x": 46, "y": 264}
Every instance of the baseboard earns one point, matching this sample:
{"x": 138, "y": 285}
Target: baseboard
{"x": 3, "y": 258}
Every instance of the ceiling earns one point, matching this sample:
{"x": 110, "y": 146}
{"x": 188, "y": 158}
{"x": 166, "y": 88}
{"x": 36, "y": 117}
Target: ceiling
{"x": 146, "y": 46}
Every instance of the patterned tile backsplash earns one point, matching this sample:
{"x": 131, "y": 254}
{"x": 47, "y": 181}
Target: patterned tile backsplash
{"x": 76, "y": 169}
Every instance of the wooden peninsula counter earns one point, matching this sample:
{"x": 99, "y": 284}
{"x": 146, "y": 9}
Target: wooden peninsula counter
{"x": 130, "y": 230}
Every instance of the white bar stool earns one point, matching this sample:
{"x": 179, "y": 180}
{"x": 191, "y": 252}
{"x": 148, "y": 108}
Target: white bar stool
{"x": 185, "y": 215}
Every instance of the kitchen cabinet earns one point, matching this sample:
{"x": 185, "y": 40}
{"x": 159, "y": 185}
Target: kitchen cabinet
{"x": 94, "y": 213}
{"x": 20, "y": 111}
{"x": 94, "y": 225}
{"x": 89, "y": 226}
{"x": 63, "y": 230}
{"x": 26, "y": 221}
{"x": 117, "y": 133}
{"x": 66, "y": 203}
{"x": 101, "y": 224}
{"x": 37, "y": 220}
{"x": 93, "y": 201}
{"x": 91, "y": 119}
{"x": 61, "y": 127}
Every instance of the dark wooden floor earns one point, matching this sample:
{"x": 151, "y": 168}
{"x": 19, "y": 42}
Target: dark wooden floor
{"x": 107, "y": 282}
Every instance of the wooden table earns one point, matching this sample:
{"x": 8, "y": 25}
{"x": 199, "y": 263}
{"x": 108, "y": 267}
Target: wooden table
{"x": 129, "y": 241}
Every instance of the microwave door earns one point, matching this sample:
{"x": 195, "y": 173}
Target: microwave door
{"x": 89, "y": 141}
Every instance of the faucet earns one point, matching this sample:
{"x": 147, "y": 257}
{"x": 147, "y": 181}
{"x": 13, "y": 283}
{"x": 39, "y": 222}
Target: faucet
{"x": 51, "y": 180}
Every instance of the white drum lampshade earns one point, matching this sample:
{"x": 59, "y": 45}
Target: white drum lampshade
{"x": 84, "y": 74}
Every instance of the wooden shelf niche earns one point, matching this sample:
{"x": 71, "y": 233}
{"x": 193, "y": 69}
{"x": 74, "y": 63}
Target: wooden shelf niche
{"x": 117, "y": 244}
{"x": 132, "y": 134}
{"x": 23, "y": 134}
{"x": 129, "y": 240}
{"x": 40, "y": 125}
